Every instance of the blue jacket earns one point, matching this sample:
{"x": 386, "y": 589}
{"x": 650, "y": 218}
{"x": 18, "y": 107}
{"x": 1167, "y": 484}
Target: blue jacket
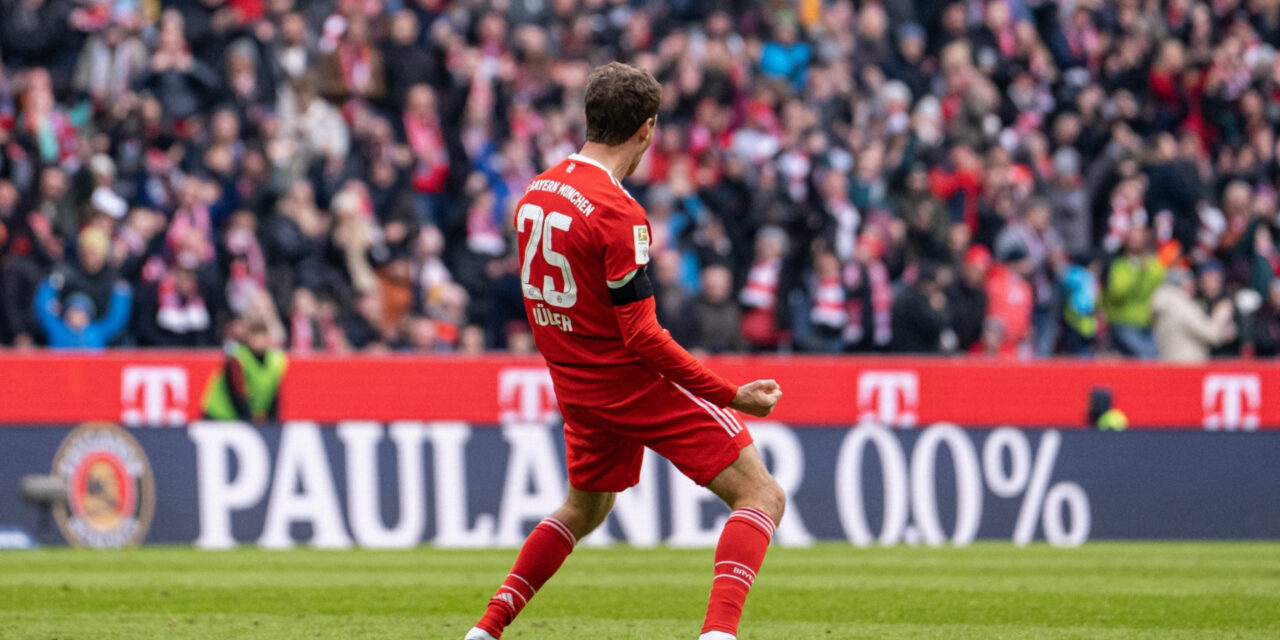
{"x": 786, "y": 61}
{"x": 94, "y": 336}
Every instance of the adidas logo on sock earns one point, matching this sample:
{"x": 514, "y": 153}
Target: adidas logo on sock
{"x": 506, "y": 598}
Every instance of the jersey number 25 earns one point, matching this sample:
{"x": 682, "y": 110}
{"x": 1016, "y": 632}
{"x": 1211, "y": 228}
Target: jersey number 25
{"x": 542, "y": 225}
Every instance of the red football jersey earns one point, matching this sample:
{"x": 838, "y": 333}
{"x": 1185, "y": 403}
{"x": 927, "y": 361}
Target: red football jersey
{"x": 578, "y": 230}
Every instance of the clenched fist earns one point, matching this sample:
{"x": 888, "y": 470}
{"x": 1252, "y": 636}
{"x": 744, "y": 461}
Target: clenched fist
{"x": 757, "y": 398}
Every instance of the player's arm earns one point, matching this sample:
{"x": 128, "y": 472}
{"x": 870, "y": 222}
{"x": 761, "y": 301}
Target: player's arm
{"x": 624, "y": 239}
{"x": 633, "y": 305}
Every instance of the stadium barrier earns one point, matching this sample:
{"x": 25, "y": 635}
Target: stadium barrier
{"x": 159, "y": 388}
{"x": 395, "y": 451}
{"x": 455, "y": 484}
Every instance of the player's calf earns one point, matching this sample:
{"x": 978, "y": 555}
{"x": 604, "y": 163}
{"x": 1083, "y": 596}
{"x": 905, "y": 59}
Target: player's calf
{"x": 540, "y": 557}
{"x": 758, "y": 503}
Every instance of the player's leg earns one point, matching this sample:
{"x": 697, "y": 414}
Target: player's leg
{"x": 757, "y": 502}
{"x": 713, "y": 448}
{"x": 541, "y": 555}
{"x": 600, "y": 463}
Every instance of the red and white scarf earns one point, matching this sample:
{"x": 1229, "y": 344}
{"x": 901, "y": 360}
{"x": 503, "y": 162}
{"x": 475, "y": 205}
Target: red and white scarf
{"x": 178, "y": 313}
{"x": 829, "y": 303}
{"x": 357, "y": 65}
{"x": 428, "y": 147}
{"x": 881, "y": 303}
{"x": 484, "y": 236}
{"x": 302, "y": 334}
{"x": 761, "y": 290}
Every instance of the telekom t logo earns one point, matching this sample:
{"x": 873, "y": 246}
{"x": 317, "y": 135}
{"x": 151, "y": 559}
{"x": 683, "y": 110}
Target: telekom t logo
{"x": 153, "y": 396}
{"x": 890, "y": 398}
{"x": 525, "y": 395}
{"x": 1232, "y": 401}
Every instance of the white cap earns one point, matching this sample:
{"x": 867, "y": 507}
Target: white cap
{"x": 109, "y": 202}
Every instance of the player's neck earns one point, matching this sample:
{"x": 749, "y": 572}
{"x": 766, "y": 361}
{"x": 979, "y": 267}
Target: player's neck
{"x": 615, "y": 159}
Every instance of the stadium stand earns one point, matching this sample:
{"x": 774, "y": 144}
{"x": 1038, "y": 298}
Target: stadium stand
{"x": 1012, "y": 177}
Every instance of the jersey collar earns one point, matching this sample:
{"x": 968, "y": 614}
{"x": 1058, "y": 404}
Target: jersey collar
{"x": 578, "y": 157}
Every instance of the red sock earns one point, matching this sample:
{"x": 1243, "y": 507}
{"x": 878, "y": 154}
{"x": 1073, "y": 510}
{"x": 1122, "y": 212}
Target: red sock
{"x": 738, "y": 556}
{"x": 542, "y": 554}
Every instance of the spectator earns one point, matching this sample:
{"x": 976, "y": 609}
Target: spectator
{"x": 34, "y": 251}
{"x": 245, "y": 268}
{"x": 422, "y": 128}
{"x": 53, "y": 201}
{"x": 1131, "y": 281}
{"x": 33, "y": 32}
{"x": 670, "y": 296}
{"x": 309, "y": 329}
{"x": 173, "y": 312}
{"x": 364, "y": 327}
{"x": 827, "y": 309}
{"x": 8, "y": 213}
{"x": 1009, "y": 305}
{"x": 75, "y": 327}
{"x": 870, "y": 296}
{"x": 249, "y": 84}
{"x": 420, "y": 335}
{"x": 1211, "y": 294}
{"x": 920, "y": 315}
{"x": 908, "y": 64}
{"x": 310, "y": 129}
{"x": 111, "y": 62}
{"x": 967, "y": 298}
{"x": 1034, "y": 237}
{"x": 784, "y": 57}
{"x": 292, "y": 52}
{"x": 714, "y": 314}
{"x": 407, "y": 62}
{"x": 181, "y": 82}
{"x": 759, "y": 296}
{"x": 91, "y": 275}
{"x": 50, "y": 131}
{"x": 472, "y": 340}
{"x": 136, "y": 249}
{"x": 1266, "y": 324}
{"x": 354, "y": 69}
{"x": 1069, "y": 203}
{"x": 447, "y": 310}
{"x": 1080, "y": 307}
{"x": 1183, "y": 332}
{"x": 394, "y": 286}
{"x": 103, "y": 198}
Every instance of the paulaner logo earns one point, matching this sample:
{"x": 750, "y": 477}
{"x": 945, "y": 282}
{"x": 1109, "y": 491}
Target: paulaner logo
{"x": 110, "y": 489}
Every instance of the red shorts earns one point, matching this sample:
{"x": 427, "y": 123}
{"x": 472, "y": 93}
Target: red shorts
{"x": 605, "y": 446}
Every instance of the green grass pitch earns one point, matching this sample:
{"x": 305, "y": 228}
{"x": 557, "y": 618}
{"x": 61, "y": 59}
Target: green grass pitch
{"x": 991, "y": 590}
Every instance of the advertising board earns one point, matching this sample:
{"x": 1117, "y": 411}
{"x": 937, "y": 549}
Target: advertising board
{"x": 454, "y": 484}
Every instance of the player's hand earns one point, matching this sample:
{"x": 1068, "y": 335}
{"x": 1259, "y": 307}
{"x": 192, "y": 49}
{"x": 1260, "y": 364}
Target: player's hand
{"x": 757, "y": 398}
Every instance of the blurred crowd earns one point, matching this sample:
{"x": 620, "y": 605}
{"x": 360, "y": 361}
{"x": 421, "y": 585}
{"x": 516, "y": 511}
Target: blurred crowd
{"x": 1020, "y": 178}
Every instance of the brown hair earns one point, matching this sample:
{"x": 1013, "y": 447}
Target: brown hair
{"x": 619, "y": 98}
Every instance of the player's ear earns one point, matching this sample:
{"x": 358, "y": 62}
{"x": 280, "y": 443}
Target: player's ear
{"x": 647, "y": 129}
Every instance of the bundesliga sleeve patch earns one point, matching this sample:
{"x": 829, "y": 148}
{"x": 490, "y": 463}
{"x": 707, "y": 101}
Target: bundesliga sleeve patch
{"x": 641, "y": 233}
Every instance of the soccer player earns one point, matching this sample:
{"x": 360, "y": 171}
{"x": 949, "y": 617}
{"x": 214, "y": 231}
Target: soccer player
{"x": 621, "y": 382}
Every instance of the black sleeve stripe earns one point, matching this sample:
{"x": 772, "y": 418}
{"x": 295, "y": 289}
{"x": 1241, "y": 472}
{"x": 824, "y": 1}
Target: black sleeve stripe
{"x": 637, "y": 288}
